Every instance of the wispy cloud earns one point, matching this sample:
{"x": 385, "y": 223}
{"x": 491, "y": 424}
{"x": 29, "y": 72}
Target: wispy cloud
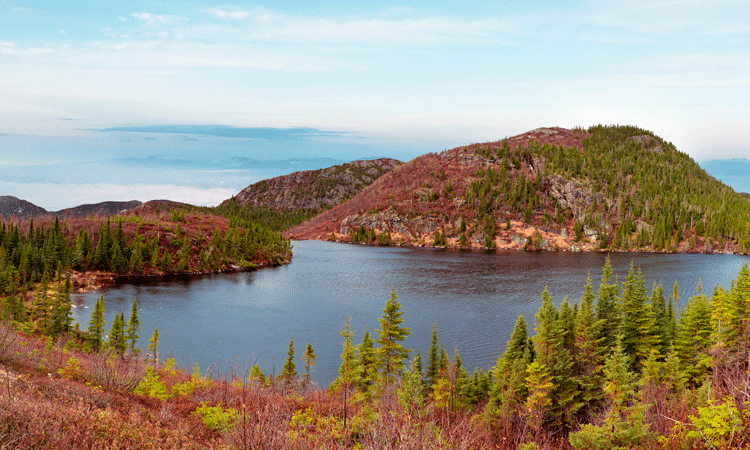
{"x": 157, "y": 20}
{"x": 10, "y": 48}
{"x": 227, "y": 131}
{"x": 223, "y": 14}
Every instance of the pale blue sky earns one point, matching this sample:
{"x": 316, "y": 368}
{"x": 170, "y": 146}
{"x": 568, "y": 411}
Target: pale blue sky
{"x": 371, "y": 78}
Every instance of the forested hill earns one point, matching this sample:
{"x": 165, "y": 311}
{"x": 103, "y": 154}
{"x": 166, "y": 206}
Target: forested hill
{"x": 608, "y": 187}
{"x": 314, "y": 189}
{"x": 157, "y": 238}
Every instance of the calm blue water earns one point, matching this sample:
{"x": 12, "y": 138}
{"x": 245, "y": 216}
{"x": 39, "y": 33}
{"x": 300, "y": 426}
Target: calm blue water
{"x": 473, "y": 296}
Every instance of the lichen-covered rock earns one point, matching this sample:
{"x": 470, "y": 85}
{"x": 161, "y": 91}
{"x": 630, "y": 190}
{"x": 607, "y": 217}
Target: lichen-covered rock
{"x": 315, "y": 189}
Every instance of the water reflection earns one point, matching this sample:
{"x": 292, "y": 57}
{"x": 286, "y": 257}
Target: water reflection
{"x": 473, "y": 296}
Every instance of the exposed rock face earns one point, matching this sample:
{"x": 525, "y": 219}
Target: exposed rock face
{"x": 315, "y": 189}
{"x": 571, "y": 194}
{"x": 15, "y": 207}
{"x": 648, "y": 142}
{"x": 410, "y": 228}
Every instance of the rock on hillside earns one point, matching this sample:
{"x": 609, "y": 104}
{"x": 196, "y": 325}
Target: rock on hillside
{"x": 15, "y": 207}
{"x": 315, "y": 189}
{"x": 616, "y": 188}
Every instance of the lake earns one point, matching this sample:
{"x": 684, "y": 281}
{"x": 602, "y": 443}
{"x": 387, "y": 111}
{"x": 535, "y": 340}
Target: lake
{"x": 473, "y": 296}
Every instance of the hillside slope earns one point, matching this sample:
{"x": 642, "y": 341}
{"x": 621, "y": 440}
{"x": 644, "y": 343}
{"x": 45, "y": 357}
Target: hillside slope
{"x": 608, "y": 187}
{"x": 314, "y": 189}
{"x": 15, "y": 207}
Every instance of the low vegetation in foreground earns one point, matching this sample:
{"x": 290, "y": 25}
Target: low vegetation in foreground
{"x": 618, "y": 368}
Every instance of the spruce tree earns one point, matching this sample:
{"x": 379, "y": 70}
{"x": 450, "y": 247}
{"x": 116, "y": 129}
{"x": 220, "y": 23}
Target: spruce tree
{"x": 638, "y": 330}
{"x": 153, "y": 345}
{"x": 289, "y": 372}
{"x": 509, "y": 387}
{"x": 309, "y": 358}
{"x": 607, "y": 311}
{"x": 552, "y": 334}
{"x": 349, "y": 370}
{"x": 391, "y": 354}
{"x": 134, "y": 326}
{"x": 61, "y": 318}
{"x": 433, "y": 364}
{"x": 739, "y": 301}
{"x": 539, "y": 387}
{"x": 674, "y": 300}
{"x": 367, "y": 363}
{"x": 623, "y": 425}
{"x": 117, "y": 340}
{"x": 694, "y": 336}
{"x": 588, "y": 352}
{"x": 565, "y": 394}
{"x": 660, "y": 318}
{"x": 96, "y": 324}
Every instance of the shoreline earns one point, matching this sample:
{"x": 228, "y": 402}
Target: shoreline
{"x": 583, "y": 249}
{"x": 93, "y": 281}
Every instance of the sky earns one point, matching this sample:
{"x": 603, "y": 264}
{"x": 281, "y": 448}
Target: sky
{"x": 194, "y": 101}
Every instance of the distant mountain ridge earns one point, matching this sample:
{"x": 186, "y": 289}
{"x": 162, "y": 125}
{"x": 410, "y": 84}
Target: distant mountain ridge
{"x": 314, "y": 189}
{"x": 14, "y": 207}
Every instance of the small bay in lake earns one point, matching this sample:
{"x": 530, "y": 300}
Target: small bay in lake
{"x": 474, "y": 297}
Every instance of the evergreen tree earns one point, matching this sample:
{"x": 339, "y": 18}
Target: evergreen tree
{"x": 552, "y": 334}
{"x": 61, "y": 317}
{"x": 660, "y": 318}
{"x": 166, "y": 262}
{"x": 367, "y": 363}
{"x": 411, "y": 392}
{"x": 674, "y": 300}
{"x": 694, "y": 336}
{"x": 607, "y": 311}
{"x": 638, "y": 330}
{"x": 134, "y": 326}
{"x": 118, "y": 263}
{"x": 136, "y": 258}
{"x": 289, "y": 372}
{"x": 117, "y": 340}
{"x": 509, "y": 387}
{"x": 153, "y": 345}
{"x": 309, "y": 358}
{"x": 391, "y": 353}
{"x": 96, "y": 324}
{"x": 623, "y": 425}
{"x": 588, "y": 352}
{"x": 433, "y": 370}
{"x": 349, "y": 370}
{"x": 539, "y": 387}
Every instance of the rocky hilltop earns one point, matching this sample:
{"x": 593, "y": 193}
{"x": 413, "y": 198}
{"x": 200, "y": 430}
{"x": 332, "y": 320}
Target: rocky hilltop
{"x": 22, "y": 209}
{"x": 102, "y": 209}
{"x": 616, "y": 188}
{"x": 15, "y": 207}
{"x": 314, "y": 189}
